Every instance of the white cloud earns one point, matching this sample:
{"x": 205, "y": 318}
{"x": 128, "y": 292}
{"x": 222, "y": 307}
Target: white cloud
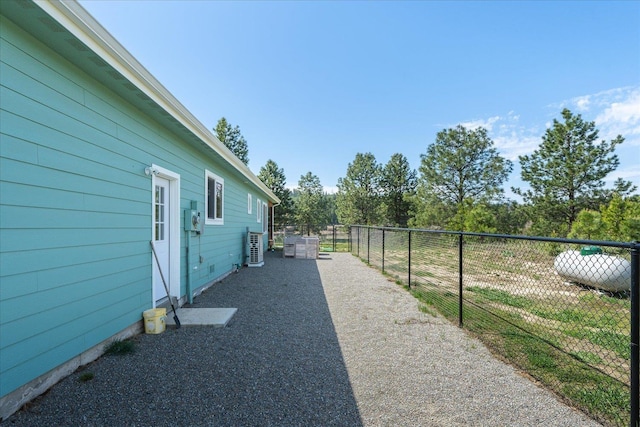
{"x": 511, "y": 138}
{"x": 487, "y": 124}
{"x": 514, "y": 144}
{"x": 596, "y": 101}
{"x": 622, "y": 118}
{"x": 615, "y": 112}
{"x": 583, "y": 103}
{"x": 623, "y": 112}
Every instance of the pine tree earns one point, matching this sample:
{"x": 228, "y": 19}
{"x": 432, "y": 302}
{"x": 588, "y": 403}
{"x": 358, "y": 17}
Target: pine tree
{"x": 274, "y": 178}
{"x": 358, "y": 198}
{"x": 310, "y": 204}
{"x": 398, "y": 184}
{"x": 460, "y": 169}
{"x": 566, "y": 173}
{"x": 232, "y": 138}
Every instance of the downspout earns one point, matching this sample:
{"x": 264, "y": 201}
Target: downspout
{"x": 273, "y": 220}
{"x": 189, "y": 293}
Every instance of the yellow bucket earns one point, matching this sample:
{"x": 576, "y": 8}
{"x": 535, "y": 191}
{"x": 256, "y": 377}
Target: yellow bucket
{"x": 155, "y": 320}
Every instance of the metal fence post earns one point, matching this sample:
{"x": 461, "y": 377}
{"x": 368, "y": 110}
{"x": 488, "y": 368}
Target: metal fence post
{"x": 409, "y": 263}
{"x": 383, "y": 250}
{"x": 635, "y": 336}
{"x": 460, "y": 238}
{"x": 358, "y": 251}
{"x": 368, "y": 244}
{"x": 334, "y": 237}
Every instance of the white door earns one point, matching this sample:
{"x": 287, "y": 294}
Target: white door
{"x": 161, "y": 236}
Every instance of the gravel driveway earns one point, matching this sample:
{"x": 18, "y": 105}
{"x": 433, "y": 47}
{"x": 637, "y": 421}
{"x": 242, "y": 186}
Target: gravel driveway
{"x": 330, "y": 342}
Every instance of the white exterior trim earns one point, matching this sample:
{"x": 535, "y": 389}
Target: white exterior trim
{"x": 265, "y": 218}
{"x": 215, "y": 221}
{"x": 174, "y": 226}
{"x": 258, "y": 211}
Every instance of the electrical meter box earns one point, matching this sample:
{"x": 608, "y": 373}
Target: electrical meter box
{"x": 192, "y": 220}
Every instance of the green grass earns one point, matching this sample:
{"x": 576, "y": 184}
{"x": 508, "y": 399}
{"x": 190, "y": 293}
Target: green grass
{"x": 582, "y": 317}
{"x": 118, "y": 347}
{"x": 566, "y": 374}
{"x": 446, "y": 303}
{"x": 340, "y": 246}
{"x": 503, "y": 297}
{"x": 86, "y": 376}
{"x": 427, "y": 310}
{"x": 588, "y": 357}
{"x": 422, "y": 273}
{"x": 618, "y": 343}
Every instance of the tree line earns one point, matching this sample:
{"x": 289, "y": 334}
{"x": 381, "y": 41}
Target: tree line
{"x": 306, "y": 205}
{"x": 459, "y": 186}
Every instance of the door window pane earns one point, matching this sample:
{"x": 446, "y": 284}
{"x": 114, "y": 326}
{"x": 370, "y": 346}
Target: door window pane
{"x": 159, "y": 211}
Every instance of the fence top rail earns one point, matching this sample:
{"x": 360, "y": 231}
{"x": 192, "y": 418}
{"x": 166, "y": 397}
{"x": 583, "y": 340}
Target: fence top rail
{"x": 625, "y": 245}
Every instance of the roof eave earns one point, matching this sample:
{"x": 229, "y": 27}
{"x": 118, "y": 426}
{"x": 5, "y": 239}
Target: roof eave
{"x": 75, "y": 19}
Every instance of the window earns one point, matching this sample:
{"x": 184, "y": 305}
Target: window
{"x": 249, "y": 203}
{"x": 258, "y": 210}
{"x": 265, "y": 217}
{"x": 215, "y": 199}
{"x": 160, "y": 205}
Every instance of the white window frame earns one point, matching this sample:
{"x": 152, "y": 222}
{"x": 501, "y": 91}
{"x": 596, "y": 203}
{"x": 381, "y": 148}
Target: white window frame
{"x": 265, "y": 218}
{"x": 258, "y": 210}
{"x": 217, "y": 179}
{"x": 249, "y": 203}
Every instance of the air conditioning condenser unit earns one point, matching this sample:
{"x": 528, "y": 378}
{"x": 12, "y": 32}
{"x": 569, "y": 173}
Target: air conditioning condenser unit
{"x": 255, "y": 249}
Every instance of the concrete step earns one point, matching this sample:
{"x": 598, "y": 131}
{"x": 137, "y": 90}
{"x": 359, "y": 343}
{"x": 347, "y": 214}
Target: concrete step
{"x": 216, "y": 317}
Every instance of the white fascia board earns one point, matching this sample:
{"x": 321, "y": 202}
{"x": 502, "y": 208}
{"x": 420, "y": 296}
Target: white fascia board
{"x": 75, "y": 19}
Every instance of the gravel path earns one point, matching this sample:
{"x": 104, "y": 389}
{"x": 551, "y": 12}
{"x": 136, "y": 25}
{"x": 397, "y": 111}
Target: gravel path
{"x": 314, "y": 343}
{"x": 408, "y": 368}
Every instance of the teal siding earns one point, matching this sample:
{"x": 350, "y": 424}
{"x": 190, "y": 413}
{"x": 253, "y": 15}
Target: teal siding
{"x": 75, "y": 206}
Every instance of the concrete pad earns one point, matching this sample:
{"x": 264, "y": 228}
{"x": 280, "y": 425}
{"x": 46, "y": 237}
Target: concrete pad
{"x": 216, "y": 317}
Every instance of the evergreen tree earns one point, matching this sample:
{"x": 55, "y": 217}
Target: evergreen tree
{"x": 460, "y": 167}
{"x": 232, "y": 138}
{"x": 480, "y": 219}
{"x": 310, "y": 203}
{"x": 621, "y": 219}
{"x": 566, "y": 173}
{"x": 427, "y": 211}
{"x": 621, "y": 188}
{"x": 398, "y": 184}
{"x": 358, "y": 198}
{"x": 274, "y": 178}
{"x": 510, "y": 217}
{"x": 588, "y": 225}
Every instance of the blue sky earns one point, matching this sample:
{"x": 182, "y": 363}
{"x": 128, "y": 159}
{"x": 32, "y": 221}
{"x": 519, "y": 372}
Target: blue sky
{"x": 313, "y": 83}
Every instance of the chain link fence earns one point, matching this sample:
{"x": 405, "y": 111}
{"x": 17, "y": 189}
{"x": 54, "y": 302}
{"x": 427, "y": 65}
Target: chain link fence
{"x": 333, "y": 238}
{"x": 558, "y": 309}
